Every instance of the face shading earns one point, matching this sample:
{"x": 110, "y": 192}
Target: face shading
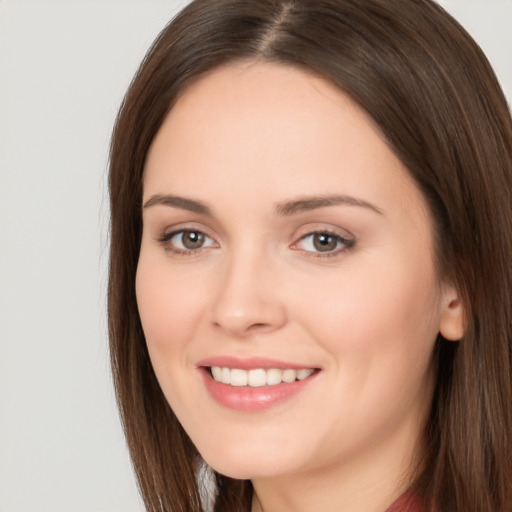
{"x": 286, "y": 281}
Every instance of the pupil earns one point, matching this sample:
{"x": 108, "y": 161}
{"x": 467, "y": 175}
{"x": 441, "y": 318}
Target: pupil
{"x": 324, "y": 242}
{"x": 192, "y": 239}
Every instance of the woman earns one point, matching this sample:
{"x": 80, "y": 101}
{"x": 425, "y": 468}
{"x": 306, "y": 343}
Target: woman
{"x": 310, "y": 280}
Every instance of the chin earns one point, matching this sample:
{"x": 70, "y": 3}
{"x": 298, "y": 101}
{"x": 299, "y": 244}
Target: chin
{"x": 244, "y": 466}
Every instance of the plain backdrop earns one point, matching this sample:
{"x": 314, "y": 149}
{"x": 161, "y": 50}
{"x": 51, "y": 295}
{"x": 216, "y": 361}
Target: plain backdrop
{"x": 64, "y": 66}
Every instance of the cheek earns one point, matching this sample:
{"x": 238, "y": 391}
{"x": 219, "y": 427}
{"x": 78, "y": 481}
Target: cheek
{"x": 379, "y": 332}
{"x": 378, "y": 323}
{"x": 169, "y": 306}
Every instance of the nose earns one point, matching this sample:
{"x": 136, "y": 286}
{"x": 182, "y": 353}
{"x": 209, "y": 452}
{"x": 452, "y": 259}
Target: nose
{"x": 248, "y": 299}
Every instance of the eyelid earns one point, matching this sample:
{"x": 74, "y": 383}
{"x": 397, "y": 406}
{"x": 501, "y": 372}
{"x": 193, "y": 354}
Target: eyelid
{"x": 168, "y": 234}
{"x": 347, "y": 240}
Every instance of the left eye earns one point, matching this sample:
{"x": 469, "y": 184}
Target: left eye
{"x": 188, "y": 240}
{"x": 322, "y": 242}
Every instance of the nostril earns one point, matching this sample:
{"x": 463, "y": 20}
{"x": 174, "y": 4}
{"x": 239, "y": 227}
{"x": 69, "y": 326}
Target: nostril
{"x": 241, "y": 314}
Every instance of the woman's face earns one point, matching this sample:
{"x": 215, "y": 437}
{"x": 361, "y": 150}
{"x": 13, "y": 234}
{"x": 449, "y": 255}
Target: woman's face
{"x": 287, "y": 251}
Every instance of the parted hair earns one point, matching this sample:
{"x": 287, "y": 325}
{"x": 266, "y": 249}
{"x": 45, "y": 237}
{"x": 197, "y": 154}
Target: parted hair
{"x": 436, "y": 100}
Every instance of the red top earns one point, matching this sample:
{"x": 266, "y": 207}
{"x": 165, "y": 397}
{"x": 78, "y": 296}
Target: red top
{"x": 407, "y": 503}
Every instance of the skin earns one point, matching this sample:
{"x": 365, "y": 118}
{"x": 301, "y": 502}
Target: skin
{"x": 366, "y": 314}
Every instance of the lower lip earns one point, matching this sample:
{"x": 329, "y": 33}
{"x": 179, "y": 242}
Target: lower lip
{"x": 252, "y": 399}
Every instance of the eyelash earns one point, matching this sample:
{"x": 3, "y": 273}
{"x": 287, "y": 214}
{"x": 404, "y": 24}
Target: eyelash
{"x": 346, "y": 244}
{"x": 165, "y": 241}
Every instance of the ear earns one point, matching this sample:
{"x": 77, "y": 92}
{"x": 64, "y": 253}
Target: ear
{"x": 451, "y": 325}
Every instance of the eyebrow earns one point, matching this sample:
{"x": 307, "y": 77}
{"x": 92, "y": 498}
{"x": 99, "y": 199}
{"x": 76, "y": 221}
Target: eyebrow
{"x": 178, "y": 202}
{"x": 305, "y": 204}
{"x": 285, "y": 208}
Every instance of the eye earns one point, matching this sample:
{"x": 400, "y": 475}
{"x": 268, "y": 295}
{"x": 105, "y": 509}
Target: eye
{"x": 324, "y": 242}
{"x": 186, "y": 241}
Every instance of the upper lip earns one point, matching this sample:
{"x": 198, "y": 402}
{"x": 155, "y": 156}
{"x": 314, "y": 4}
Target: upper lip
{"x": 250, "y": 363}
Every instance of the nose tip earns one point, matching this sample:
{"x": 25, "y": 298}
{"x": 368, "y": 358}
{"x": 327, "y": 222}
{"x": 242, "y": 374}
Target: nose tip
{"x": 250, "y": 321}
{"x": 248, "y": 303}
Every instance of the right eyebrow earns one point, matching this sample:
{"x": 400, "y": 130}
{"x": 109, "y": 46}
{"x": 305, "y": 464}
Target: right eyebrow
{"x": 178, "y": 202}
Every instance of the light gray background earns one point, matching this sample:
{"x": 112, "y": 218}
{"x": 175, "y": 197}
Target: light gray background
{"x": 64, "y": 66}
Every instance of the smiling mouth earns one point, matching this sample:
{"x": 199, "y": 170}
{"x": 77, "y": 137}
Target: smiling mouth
{"x": 258, "y": 377}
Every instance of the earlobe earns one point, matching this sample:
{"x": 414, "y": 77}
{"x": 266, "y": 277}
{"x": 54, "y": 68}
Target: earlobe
{"x": 451, "y": 325}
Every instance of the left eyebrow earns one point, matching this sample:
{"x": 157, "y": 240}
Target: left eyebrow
{"x": 304, "y": 204}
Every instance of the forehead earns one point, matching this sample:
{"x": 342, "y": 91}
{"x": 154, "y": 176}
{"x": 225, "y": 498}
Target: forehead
{"x": 264, "y": 97}
{"x": 260, "y": 128}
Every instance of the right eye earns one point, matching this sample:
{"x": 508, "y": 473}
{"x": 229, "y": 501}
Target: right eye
{"x": 186, "y": 241}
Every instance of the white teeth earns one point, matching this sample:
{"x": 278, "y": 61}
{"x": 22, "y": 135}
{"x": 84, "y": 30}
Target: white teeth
{"x": 238, "y": 377}
{"x": 217, "y": 373}
{"x": 289, "y": 375}
{"x": 274, "y": 376}
{"x": 258, "y": 377}
{"x": 226, "y": 376}
{"x": 304, "y": 374}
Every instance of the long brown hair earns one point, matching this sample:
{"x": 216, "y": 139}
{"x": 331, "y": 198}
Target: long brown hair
{"x": 436, "y": 100}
